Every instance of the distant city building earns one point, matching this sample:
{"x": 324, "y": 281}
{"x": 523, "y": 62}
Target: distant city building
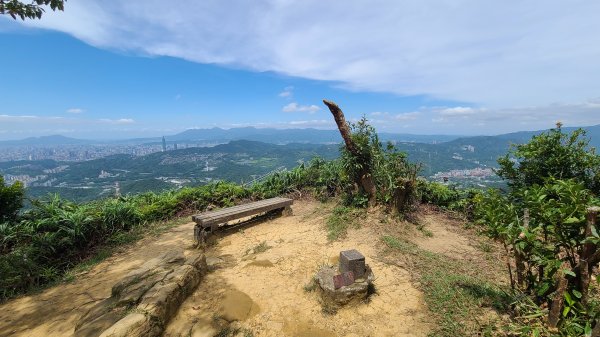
{"x": 175, "y": 147}
{"x": 469, "y": 148}
{"x": 164, "y": 144}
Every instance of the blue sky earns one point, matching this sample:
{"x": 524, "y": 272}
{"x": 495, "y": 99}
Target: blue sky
{"x": 120, "y": 70}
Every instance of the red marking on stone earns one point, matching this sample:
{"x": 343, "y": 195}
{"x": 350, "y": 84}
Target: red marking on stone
{"x": 342, "y": 280}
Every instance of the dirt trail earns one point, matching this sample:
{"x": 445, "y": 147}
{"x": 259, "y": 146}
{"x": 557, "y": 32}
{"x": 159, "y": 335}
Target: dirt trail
{"x": 261, "y": 286}
{"x": 446, "y": 237}
{"x": 272, "y": 284}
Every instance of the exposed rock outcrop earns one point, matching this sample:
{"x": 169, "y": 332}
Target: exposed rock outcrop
{"x": 144, "y": 301}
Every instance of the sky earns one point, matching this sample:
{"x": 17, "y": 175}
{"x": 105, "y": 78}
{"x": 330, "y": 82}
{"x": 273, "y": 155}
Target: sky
{"x": 124, "y": 69}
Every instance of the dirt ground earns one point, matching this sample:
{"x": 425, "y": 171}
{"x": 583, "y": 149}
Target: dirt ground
{"x": 258, "y": 280}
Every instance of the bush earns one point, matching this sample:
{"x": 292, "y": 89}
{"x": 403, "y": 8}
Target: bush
{"x": 552, "y": 154}
{"x": 542, "y": 224}
{"x": 11, "y": 200}
{"x": 448, "y": 196}
{"x": 393, "y": 175}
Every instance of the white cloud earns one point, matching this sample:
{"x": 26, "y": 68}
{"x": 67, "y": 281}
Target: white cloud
{"x": 30, "y": 118}
{"x": 379, "y": 113}
{"x": 495, "y": 54}
{"x": 75, "y": 110}
{"x": 458, "y": 111}
{"x": 288, "y": 92}
{"x": 384, "y": 116}
{"x": 408, "y": 116}
{"x": 14, "y": 126}
{"x": 520, "y": 118}
{"x": 295, "y": 107}
{"x": 118, "y": 121}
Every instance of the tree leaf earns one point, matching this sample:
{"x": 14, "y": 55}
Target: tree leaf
{"x": 588, "y": 330}
{"x": 571, "y": 221}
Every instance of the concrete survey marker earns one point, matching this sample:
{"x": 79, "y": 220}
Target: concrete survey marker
{"x": 340, "y": 284}
{"x": 352, "y": 261}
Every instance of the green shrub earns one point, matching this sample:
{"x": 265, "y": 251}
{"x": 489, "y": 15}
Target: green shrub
{"x": 393, "y": 175}
{"x": 11, "y": 200}
{"x": 542, "y": 224}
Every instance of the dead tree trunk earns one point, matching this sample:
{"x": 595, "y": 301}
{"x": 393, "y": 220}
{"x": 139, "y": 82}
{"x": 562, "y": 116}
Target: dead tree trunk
{"x": 585, "y": 267}
{"x": 559, "y": 298}
{"x": 520, "y": 261}
{"x": 365, "y": 178}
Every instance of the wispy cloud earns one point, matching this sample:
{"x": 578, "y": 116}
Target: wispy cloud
{"x": 295, "y": 107}
{"x": 118, "y": 121}
{"x": 288, "y": 92}
{"x": 381, "y": 116}
{"x": 295, "y": 124}
{"x": 531, "y": 117}
{"x": 497, "y": 54}
{"x": 75, "y": 110}
{"x": 458, "y": 111}
{"x": 29, "y": 118}
{"x": 408, "y": 116}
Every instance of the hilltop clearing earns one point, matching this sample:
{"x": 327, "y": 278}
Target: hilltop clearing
{"x": 266, "y": 269}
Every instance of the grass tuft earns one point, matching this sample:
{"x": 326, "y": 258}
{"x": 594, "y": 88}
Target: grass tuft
{"x": 311, "y": 285}
{"x": 453, "y": 294}
{"x": 342, "y": 218}
{"x": 259, "y": 248}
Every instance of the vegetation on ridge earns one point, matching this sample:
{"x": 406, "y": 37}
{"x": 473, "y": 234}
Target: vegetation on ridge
{"x": 544, "y": 221}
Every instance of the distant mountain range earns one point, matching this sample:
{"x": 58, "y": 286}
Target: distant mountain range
{"x": 241, "y": 160}
{"x": 218, "y": 135}
{"x": 285, "y": 136}
{"x": 280, "y": 136}
{"x": 45, "y": 141}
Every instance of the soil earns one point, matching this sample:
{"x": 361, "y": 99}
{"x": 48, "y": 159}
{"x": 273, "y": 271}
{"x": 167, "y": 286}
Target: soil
{"x": 257, "y": 283}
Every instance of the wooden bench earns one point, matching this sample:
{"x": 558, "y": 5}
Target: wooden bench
{"x": 209, "y": 222}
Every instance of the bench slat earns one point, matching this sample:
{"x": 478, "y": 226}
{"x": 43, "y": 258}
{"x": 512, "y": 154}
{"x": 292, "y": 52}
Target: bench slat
{"x": 240, "y": 211}
{"x": 238, "y": 208}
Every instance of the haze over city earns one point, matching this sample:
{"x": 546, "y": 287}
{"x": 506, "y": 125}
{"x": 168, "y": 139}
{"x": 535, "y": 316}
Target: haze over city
{"x": 124, "y": 69}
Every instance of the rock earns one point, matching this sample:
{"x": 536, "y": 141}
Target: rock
{"x": 213, "y": 262}
{"x": 354, "y": 293}
{"x": 186, "y": 277}
{"x": 162, "y": 301}
{"x": 203, "y": 329}
{"x": 261, "y": 263}
{"x": 134, "y": 324}
{"x": 199, "y": 262}
{"x": 154, "y": 292}
{"x": 99, "y": 318}
{"x": 132, "y": 288}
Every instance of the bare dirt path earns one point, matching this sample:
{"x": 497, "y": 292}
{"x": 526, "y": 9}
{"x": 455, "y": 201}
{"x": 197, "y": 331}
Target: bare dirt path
{"x": 265, "y": 291}
{"x": 258, "y": 280}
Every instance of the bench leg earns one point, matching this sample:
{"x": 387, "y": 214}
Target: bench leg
{"x": 201, "y": 235}
{"x": 287, "y": 211}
